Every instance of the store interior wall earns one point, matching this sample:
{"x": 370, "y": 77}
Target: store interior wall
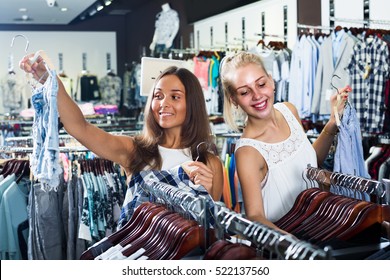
{"x": 89, "y": 53}
{"x": 247, "y": 25}
{"x": 134, "y": 31}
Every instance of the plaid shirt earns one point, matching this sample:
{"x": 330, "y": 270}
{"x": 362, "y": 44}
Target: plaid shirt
{"x": 368, "y": 91}
{"x": 136, "y": 195}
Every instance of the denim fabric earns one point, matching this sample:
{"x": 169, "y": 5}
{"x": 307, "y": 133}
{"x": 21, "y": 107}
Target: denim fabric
{"x": 46, "y": 232}
{"x": 349, "y": 153}
{"x": 45, "y": 163}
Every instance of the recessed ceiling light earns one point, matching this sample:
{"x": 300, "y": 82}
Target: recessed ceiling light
{"x": 23, "y": 10}
{"x": 92, "y": 12}
{"x": 64, "y": 9}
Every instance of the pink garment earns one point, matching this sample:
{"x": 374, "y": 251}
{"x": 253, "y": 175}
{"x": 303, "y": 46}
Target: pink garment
{"x": 87, "y": 109}
{"x": 65, "y": 164}
{"x": 106, "y": 109}
{"x": 27, "y": 113}
{"x": 201, "y": 70}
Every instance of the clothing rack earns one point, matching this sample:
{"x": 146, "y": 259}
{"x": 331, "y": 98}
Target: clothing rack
{"x": 263, "y": 35}
{"x": 314, "y": 27}
{"x": 264, "y": 238}
{"x": 8, "y": 149}
{"x": 378, "y": 191}
{"x": 361, "y": 21}
{"x": 67, "y": 136}
{"x": 182, "y": 202}
{"x": 384, "y": 139}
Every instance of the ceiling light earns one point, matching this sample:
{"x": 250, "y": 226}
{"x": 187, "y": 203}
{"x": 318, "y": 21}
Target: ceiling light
{"x": 99, "y": 8}
{"x": 23, "y": 10}
{"x": 92, "y": 12}
{"x": 107, "y": 2}
{"x": 64, "y": 9}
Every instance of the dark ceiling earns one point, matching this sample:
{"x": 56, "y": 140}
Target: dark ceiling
{"x": 195, "y": 9}
{"x": 200, "y": 9}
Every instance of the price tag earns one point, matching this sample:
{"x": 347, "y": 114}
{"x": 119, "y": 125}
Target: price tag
{"x": 328, "y": 94}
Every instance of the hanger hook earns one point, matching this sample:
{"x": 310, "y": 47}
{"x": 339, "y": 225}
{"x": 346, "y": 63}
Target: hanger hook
{"x": 331, "y": 82}
{"x": 21, "y": 35}
{"x": 197, "y": 149}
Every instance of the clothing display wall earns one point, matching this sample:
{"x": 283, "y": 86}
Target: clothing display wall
{"x": 81, "y": 210}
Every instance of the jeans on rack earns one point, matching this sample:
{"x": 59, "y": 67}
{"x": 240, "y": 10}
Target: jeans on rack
{"x": 46, "y": 239}
{"x": 45, "y": 158}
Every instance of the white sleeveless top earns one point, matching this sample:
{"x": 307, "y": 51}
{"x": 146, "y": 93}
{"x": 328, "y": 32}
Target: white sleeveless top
{"x": 173, "y": 157}
{"x": 286, "y": 161}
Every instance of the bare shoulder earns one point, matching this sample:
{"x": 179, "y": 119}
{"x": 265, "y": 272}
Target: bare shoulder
{"x": 249, "y": 157}
{"x": 293, "y": 109}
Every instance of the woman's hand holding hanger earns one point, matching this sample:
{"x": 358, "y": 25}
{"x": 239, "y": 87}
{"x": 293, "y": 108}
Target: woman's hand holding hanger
{"x": 338, "y": 102}
{"x": 325, "y": 140}
{"x": 35, "y": 67}
{"x": 201, "y": 174}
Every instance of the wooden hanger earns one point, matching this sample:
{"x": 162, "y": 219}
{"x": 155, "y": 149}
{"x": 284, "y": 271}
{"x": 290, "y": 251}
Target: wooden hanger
{"x": 180, "y": 239}
{"x": 117, "y": 236}
{"x": 304, "y": 212}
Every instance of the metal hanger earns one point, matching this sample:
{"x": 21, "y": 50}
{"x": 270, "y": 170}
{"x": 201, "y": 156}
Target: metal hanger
{"x": 338, "y": 102}
{"x": 21, "y": 35}
{"x": 46, "y": 61}
{"x": 197, "y": 149}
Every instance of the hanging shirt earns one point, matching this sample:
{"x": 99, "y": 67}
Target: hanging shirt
{"x": 336, "y": 44}
{"x": 89, "y": 88}
{"x": 111, "y": 89}
{"x": 348, "y": 158}
{"x": 14, "y": 210}
{"x": 368, "y": 86}
{"x": 326, "y": 69}
{"x": 13, "y": 94}
{"x": 301, "y": 77}
{"x": 201, "y": 71}
{"x": 68, "y": 84}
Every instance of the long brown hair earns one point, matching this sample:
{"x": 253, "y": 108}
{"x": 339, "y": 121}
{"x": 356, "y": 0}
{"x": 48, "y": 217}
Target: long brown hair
{"x": 195, "y": 129}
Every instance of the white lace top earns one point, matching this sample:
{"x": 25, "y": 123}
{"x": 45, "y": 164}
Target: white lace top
{"x": 286, "y": 162}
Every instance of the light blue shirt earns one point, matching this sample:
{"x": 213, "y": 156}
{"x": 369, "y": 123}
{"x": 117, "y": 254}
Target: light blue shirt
{"x": 336, "y": 44}
{"x": 349, "y": 157}
{"x": 302, "y": 76}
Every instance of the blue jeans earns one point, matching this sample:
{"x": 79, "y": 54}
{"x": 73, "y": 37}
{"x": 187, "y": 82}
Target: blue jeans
{"x": 45, "y": 158}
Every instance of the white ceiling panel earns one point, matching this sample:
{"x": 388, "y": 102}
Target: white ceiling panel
{"x": 41, "y": 11}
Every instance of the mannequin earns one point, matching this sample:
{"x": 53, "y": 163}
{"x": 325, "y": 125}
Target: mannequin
{"x": 166, "y": 28}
